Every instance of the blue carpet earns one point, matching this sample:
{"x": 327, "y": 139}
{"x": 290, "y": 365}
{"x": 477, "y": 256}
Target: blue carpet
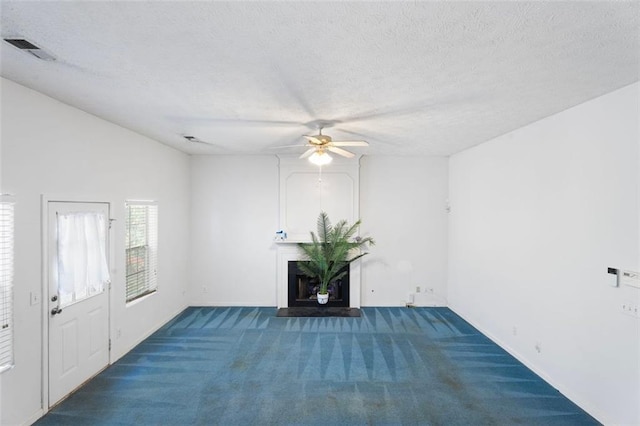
{"x": 245, "y": 366}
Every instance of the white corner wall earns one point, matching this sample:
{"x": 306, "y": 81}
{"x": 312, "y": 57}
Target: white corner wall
{"x": 53, "y": 149}
{"x": 403, "y": 207}
{"x": 537, "y": 217}
{"x": 234, "y": 218}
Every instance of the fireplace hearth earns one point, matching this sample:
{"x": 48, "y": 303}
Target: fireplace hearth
{"x": 302, "y": 290}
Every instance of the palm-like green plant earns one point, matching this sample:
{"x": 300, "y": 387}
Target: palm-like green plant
{"x": 331, "y": 250}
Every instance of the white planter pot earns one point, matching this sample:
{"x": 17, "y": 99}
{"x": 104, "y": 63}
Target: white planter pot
{"x": 323, "y": 298}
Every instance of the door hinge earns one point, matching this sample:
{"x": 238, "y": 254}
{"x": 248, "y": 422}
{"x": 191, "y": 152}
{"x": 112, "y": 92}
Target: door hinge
{"x": 111, "y": 222}
{"x": 109, "y": 344}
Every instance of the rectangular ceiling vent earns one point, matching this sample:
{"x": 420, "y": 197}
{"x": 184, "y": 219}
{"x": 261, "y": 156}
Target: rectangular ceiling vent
{"x": 29, "y": 47}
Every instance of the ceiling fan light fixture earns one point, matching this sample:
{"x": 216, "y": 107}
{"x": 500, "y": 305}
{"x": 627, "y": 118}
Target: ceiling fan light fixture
{"x": 320, "y": 158}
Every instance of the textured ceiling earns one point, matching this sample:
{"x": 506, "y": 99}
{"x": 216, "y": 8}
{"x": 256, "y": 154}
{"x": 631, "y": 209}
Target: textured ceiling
{"x": 412, "y": 78}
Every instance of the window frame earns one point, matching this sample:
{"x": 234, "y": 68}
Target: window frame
{"x": 137, "y": 286}
{"x": 7, "y": 260}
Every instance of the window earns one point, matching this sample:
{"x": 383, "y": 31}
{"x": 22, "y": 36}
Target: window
{"x": 82, "y": 264}
{"x": 141, "y": 244}
{"x": 6, "y": 285}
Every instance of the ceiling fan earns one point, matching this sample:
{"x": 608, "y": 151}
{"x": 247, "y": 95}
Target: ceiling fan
{"x": 319, "y": 145}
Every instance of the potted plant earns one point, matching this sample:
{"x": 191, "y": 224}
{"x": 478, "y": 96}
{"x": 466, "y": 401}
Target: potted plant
{"x": 333, "y": 248}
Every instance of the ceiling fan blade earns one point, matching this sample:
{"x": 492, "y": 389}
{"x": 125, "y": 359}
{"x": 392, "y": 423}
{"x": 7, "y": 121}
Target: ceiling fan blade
{"x": 308, "y": 153}
{"x": 371, "y": 135}
{"x": 286, "y": 146}
{"x": 341, "y": 151}
{"x": 246, "y": 122}
{"x": 313, "y": 139}
{"x": 350, "y": 143}
{"x": 408, "y": 109}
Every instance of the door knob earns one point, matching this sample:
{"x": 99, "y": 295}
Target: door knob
{"x": 56, "y": 311}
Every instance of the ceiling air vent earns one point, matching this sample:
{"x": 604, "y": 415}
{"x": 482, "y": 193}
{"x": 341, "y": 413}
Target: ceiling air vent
{"x": 29, "y": 47}
{"x": 195, "y": 140}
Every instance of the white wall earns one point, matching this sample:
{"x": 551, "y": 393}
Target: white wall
{"x": 402, "y": 205}
{"x": 537, "y": 217}
{"x": 306, "y": 190}
{"x": 234, "y": 218}
{"x": 53, "y": 149}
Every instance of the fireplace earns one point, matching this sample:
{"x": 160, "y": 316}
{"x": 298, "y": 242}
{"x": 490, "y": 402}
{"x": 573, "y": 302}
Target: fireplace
{"x": 302, "y": 289}
{"x": 301, "y": 197}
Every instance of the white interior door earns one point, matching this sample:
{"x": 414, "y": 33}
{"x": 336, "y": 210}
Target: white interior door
{"x": 78, "y": 281}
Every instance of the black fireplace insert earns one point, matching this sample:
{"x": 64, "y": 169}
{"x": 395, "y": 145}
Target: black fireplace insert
{"x": 303, "y": 290}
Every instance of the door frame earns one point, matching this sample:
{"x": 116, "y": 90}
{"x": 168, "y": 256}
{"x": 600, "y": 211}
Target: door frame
{"x": 44, "y": 289}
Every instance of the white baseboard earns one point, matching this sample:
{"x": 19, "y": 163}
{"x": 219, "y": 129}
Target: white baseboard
{"x": 34, "y": 417}
{"x": 149, "y": 332}
{"x": 568, "y": 393}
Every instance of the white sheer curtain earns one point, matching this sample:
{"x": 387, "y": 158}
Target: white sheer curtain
{"x": 82, "y": 261}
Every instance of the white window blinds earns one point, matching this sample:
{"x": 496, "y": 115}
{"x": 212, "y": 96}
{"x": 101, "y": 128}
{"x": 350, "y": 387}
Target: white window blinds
{"x": 6, "y": 285}
{"x": 141, "y": 243}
